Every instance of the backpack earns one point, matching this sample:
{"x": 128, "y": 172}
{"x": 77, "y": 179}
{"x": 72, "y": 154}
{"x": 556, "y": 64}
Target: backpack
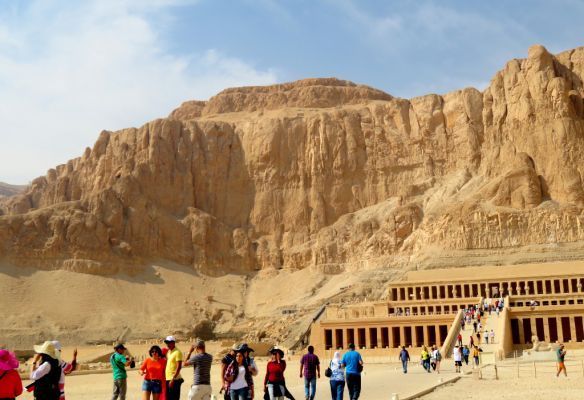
{"x": 438, "y": 356}
{"x": 47, "y": 388}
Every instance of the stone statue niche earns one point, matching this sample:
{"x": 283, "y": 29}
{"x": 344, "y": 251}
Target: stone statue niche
{"x": 543, "y": 346}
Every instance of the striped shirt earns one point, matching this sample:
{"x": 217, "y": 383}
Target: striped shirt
{"x": 201, "y": 363}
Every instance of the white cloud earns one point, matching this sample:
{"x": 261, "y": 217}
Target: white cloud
{"x": 69, "y": 70}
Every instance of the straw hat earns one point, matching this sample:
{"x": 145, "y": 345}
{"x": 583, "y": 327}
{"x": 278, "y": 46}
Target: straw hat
{"x": 8, "y": 360}
{"x": 47, "y": 348}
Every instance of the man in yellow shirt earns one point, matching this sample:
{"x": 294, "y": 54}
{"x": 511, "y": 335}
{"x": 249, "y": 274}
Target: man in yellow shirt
{"x": 174, "y": 359}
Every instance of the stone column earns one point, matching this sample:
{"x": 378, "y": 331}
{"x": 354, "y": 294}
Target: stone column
{"x": 368, "y": 340}
{"x": 526, "y": 286}
{"x": 553, "y": 286}
{"x": 402, "y": 336}
{"x": 346, "y": 337}
{"x": 534, "y": 327}
{"x": 379, "y": 338}
{"x": 580, "y": 286}
{"x": 559, "y": 329}
{"x": 573, "y": 328}
{"x": 546, "y": 330}
{"x": 414, "y": 336}
{"x": 437, "y": 330}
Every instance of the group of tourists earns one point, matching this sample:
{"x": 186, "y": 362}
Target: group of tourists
{"x": 430, "y": 359}
{"x": 162, "y": 378}
{"x": 47, "y": 372}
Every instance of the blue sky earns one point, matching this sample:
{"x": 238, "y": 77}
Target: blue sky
{"x": 69, "y": 69}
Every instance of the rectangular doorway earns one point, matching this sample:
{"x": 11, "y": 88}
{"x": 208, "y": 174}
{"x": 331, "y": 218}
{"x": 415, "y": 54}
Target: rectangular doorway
{"x": 361, "y": 338}
{"x": 385, "y": 337}
{"x": 351, "y": 336}
{"x": 419, "y": 336}
{"x": 443, "y": 330}
{"x": 395, "y": 337}
{"x": 328, "y": 339}
{"x": 432, "y": 335}
{"x": 515, "y": 331}
{"x": 408, "y": 336}
{"x": 553, "y": 328}
{"x": 373, "y": 338}
{"x": 566, "y": 332}
{"x": 540, "y": 332}
{"x": 527, "y": 332}
{"x": 579, "y": 329}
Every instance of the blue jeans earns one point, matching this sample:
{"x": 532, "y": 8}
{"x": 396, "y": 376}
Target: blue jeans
{"x": 239, "y": 394}
{"x": 337, "y": 388}
{"x": 310, "y": 387}
{"x": 426, "y": 364}
{"x": 405, "y": 366}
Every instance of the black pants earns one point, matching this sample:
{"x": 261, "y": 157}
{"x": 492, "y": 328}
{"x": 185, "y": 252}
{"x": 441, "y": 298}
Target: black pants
{"x": 174, "y": 392}
{"x": 354, "y": 386}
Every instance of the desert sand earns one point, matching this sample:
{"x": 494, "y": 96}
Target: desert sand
{"x": 538, "y": 384}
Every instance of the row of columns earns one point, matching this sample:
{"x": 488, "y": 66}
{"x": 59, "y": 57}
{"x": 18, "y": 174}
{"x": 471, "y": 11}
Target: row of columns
{"x": 427, "y": 310}
{"x": 521, "y": 328}
{"x": 391, "y": 336}
{"x": 493, "y": 289}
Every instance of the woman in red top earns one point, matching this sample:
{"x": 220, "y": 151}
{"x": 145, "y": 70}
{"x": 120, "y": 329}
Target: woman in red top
{"x": 10, "y": 383}
{"x": 274, "y": 381}
{"x": 153, "y": 371}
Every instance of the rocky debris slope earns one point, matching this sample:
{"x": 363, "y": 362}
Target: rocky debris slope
{"x": 321, "y": 173}
{"x": 7, "y": 190}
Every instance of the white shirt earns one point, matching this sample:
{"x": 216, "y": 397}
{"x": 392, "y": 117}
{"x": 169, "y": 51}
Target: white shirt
{"x": 239, "y": 382}
{"x": 457, "y": 354}
{"x": 41, "y": 371}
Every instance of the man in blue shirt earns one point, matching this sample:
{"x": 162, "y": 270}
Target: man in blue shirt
{"x": 404, "y": 357}
{"x": 353, "y": 364}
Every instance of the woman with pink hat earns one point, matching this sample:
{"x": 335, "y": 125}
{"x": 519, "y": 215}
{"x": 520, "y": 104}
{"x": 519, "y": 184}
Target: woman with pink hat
{"x": 10, "y": 383}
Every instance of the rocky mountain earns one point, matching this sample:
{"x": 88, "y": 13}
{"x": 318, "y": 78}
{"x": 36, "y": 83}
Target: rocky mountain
{"x": 322, "y": 173}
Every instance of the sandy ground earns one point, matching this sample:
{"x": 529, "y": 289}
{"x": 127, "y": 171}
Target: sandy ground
{"x": 379, "y": 381}
{"x": 538, "y": 384}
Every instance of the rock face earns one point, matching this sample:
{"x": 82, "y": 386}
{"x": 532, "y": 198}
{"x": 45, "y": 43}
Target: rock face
{"x": 319, "y": 172}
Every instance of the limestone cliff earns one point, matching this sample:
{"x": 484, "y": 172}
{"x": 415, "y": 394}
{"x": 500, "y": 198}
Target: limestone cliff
{"x": 319, "y": 172}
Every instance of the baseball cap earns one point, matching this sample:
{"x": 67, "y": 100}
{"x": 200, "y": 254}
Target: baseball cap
{"x": 119, "y": 346}
{"x": 169, "y": 339}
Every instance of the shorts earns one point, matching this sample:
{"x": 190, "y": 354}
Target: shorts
{"x": 458, "y": 363}
{"x": 152, "y": 386}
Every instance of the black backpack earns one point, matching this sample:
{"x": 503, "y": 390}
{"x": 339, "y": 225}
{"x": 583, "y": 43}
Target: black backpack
{"x": 47, "y": 388}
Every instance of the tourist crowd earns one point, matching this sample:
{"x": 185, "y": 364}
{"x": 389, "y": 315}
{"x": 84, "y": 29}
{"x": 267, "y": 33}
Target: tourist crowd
{"x": 162, "y": 378}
